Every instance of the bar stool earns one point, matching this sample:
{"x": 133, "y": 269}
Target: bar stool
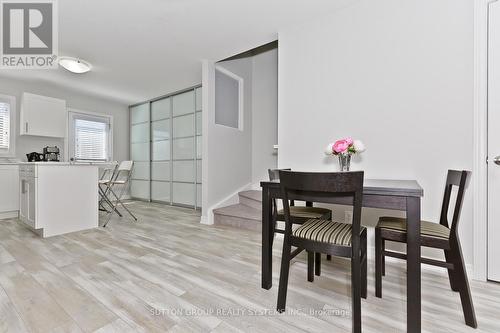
{"x": 121, "y": 178}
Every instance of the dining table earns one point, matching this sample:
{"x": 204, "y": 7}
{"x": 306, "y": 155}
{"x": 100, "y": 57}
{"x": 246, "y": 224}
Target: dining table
{"x": 400, "y": 195}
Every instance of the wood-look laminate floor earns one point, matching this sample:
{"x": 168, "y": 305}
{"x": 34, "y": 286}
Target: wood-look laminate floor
{"x": 170, "y": 273}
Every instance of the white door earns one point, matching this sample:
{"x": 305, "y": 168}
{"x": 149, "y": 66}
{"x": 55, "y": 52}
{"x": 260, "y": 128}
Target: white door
{"x": 494, "y": 143}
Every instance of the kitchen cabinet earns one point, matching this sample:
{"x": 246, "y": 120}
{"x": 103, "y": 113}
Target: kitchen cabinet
{"x": 43, "y": 116}
{"x": 27, "y": 210}
{"x": 58, "y": 197}
{"x": 9, "y": 193}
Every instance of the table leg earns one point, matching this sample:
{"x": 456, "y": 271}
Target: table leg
{"x": 413, "y": 265}
{"x": 267, "y": 239}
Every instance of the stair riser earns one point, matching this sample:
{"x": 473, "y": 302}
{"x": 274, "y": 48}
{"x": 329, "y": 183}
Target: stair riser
{"x": 237, "y": 222}
{"x": 250, "y": 202}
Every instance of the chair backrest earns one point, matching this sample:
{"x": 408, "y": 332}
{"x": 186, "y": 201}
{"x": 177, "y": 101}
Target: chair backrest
{"x": 124, "y": 171}
{"x": 458, "y": 179}
{"x": 108, "y": 172}
{"x": 126, "y": 166}
{"x": 274, "y": 174}
{"x": 324, "y": 187}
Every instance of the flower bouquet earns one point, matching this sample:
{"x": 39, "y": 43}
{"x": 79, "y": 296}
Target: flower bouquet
{"x": 344, "y": 148}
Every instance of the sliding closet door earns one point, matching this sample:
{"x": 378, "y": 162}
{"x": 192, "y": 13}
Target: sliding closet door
{"x": 139, "y": 151}
{"x": 161, "y": 124}
{"x": 184, "y": 149}
{"x": 166, "y": 147}
{"x": 198, "y": 146}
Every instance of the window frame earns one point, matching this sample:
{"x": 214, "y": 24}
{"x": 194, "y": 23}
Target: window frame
{"x": 70, "y": 141}
{"x": 11, "y": 152}
{"x": 240, "y": 81}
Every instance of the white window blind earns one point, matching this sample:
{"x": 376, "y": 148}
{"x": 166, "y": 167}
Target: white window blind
{"x": 91, "y": 139}
{"x": 4, "y": 125}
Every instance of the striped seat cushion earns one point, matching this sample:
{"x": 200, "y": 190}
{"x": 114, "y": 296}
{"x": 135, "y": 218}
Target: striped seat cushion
{"x": 326, "y": 231}
{"x": 305, "y": 212}
{"x": 429, "y": 229}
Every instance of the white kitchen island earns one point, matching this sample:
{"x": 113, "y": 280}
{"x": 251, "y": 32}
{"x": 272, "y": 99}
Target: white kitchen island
{"x": 58, "y": 197}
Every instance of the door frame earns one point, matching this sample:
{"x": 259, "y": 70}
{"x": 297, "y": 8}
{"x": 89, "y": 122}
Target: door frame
{"x": 480, "y": 167}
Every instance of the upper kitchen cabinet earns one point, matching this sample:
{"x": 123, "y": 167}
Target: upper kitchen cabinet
{"x": 43, "y": 116}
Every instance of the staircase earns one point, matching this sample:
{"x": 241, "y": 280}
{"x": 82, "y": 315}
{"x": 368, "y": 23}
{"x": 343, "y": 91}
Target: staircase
{"x": 247, "y": 214}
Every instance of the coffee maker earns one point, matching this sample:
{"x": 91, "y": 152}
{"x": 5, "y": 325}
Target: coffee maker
{"x": 51, "y": 154}
{"x": 34, "y": 157}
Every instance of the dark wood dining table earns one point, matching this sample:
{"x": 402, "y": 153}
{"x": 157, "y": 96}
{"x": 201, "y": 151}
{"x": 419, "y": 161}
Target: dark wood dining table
{"x": 401, "y": 195}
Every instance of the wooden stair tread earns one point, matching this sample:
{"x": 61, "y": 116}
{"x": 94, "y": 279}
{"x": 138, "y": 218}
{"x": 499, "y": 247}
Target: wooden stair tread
{"x": 252, "y": 194}
{"x": 240, "y": 211}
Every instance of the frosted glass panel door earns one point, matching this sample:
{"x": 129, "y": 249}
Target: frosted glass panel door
{"x": 165, "y": 143}
{"x": 139, "y": 150}
{"x": 161, "y": 124}
{"x": 198, "y": 146}
{"x": 183, "y": 149}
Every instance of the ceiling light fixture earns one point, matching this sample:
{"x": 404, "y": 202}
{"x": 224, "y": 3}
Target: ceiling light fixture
{"x": 74, "y": 65}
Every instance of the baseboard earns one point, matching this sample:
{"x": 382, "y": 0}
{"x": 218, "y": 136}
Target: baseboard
{"x": 231, "y": 199}
{"x": 9, "y": 215}
{"x": 204, "y": 220}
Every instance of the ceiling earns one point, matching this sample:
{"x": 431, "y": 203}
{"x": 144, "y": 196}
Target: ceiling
{"x": 146, "y": 48}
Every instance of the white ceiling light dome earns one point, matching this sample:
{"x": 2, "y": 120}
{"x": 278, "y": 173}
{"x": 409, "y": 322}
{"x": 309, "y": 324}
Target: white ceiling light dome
{"x": 75, "y": 65}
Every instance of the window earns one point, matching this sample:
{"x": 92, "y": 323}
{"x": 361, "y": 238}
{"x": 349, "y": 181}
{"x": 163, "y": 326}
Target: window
{"x": 89, "y": 137}
{"x": 228, "y": 98}
{"x": 7, "y": 123}
{"x": 4, "y": 125}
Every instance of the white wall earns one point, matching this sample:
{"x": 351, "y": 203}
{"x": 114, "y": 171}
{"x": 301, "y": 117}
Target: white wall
{"x": 396, "y": 74}
{"x": 26, "y": 144}
{"x": 235, "y": 160}
{"x": 227, "y": 158}
{"x": 264, "y": 113}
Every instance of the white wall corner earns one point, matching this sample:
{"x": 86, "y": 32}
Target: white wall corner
{"x": 480, "y": 178}
{"x": 205, "y": 220}
{"x": 208, "y": 104}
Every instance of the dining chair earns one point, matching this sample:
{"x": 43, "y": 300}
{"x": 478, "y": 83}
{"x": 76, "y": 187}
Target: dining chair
{"x": 117, "y": 187}
{"x": 435, "y": 235}
{"x": 299, "y": 215}
{"x": 326, "y": 236}
{"x": 106, "y": 177}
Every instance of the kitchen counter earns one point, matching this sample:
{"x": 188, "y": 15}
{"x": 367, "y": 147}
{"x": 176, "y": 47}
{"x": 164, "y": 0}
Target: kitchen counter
{"x": 12, "y": 162}
{"x": 67, "y": 163}
{"x": 58, "y": 197}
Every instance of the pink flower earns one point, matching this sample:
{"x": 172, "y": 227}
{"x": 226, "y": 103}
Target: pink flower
{"x": 341, "y": 146}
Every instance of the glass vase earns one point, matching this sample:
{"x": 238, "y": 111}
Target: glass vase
{"x": 344, "y": 162}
